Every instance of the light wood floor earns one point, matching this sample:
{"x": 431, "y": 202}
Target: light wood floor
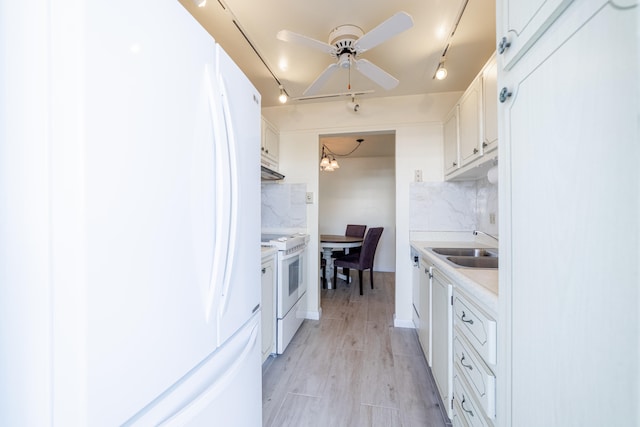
{"x": 352, "y": 368}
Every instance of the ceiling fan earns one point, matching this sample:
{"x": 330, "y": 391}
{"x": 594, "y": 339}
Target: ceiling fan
{"x": 347, "y": 43}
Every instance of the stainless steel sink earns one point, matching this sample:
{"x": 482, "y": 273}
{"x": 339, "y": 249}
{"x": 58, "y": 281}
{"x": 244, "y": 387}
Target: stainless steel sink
{"x": 474, "y": 261}
{"x": 471, "y": 252}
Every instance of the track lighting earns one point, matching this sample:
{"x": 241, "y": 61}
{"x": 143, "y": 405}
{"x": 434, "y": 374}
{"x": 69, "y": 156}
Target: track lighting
{"x": 353, "y": 105}
{"x": 441, "y": 72}
{"x": 283, "y": 95}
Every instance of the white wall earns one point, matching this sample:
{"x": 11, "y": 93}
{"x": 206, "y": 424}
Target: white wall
{"x": 417, "y": 121}
{"x": 362, "y": 191}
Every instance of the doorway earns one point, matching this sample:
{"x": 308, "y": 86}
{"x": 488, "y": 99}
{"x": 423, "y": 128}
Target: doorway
{"x": 362, "y": 190}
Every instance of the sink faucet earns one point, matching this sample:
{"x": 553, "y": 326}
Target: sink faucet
{"x": 475, "y": 233}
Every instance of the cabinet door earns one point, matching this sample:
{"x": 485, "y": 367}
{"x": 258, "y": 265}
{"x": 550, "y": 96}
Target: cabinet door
{"x": 521, "y": 22}
{"x": 415, "y": 285}
{"x": 270, "y": 145}
{"x": 451, "y": 149}
{"x": 268, "y": 309}
{"x": 470, "y": 138}
{"x": 568, "y": 113}
{"x": 490, "y": 106}
{"x": 424, "y": 333}
{"x": 442, "y": 336}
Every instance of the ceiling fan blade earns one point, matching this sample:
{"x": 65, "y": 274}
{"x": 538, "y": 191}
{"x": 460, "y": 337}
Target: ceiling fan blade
{"x": 398, "y": 23}
{"x": 289, "y": 36}
{"x": 376, "y": 74}
{"x": 321, "y": 80}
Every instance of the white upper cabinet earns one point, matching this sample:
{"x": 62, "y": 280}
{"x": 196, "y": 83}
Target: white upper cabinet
{"x": 490, "y": 106}
{"x": 471, "y": 128}
{"x": 470, "y": 119}
{"x": 522, "y": 24}
{"x": 451, "y": 159}
{"x": 269, "y": 145}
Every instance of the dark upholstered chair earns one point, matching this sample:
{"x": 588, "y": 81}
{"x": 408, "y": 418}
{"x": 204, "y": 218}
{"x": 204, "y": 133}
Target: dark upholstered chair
{"x": 363, "y": 260}
{"x": 352, "y": 230}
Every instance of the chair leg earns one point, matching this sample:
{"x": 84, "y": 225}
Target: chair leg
{"x": 347, "y": 273}
{"x": 360, "y": 280}
{"x": 335, "y": 276}
{"x": 371, "y": 276}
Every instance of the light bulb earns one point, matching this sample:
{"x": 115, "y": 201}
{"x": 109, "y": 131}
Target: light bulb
{"x": 324, "y": 162}
{"x": 283, "y": 95}
{"x": 441, "y": 74}
{"x": 334, "y": 164}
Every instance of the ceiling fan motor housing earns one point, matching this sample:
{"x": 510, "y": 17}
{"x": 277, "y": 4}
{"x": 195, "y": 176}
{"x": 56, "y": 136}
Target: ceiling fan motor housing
{"x": 343, "y": 37}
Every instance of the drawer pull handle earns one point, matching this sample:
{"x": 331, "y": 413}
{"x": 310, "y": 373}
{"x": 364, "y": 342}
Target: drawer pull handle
{"x": 465, "y": 409}
{"x": 466, "y": 366}
{"x": 264, "y": 270}
{"x": 469, "y": 321}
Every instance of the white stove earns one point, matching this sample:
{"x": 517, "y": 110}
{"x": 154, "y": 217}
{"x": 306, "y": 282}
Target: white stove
{"x": 291, "y": 284}
{"x": 287, "y": 243}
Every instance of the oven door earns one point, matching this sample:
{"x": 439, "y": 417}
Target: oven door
{"x": 291, "y": 285}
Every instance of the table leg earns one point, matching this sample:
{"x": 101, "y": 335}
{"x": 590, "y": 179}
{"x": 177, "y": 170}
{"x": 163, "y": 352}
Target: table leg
{"x": 326, "y": 254}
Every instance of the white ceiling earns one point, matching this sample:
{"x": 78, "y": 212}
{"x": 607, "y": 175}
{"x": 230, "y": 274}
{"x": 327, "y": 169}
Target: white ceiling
{"x": 412, "y": 56}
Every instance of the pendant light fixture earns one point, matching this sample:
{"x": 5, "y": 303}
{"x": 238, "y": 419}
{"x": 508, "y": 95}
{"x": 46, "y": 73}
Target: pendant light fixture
{"x": 328, "y": 162}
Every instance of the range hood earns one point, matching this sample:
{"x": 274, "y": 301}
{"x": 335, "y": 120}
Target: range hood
{"x": 270, "y": 175}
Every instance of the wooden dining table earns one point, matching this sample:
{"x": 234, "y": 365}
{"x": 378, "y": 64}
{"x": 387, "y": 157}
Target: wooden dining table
{"x": 336, "y": 242}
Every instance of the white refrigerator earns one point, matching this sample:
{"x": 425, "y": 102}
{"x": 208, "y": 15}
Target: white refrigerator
{"x": 130, "y": 253}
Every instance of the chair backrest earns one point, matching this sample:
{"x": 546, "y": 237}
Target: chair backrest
{"x": 369, "y": 246}
{"x": 355, "y": 230}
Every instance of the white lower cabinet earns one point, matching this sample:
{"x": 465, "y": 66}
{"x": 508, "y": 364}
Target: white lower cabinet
{"x": 468, "y": 408}
{"x": 474, "y": 354}
{"x": 424, "y": 332}
{"x": 442, "y": 336}
{"x": 268, "y": 303}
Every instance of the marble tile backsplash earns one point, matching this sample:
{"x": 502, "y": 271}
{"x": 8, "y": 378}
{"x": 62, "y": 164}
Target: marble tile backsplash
{"x": 284, "y": 206}
{"x": 453, "y": 206}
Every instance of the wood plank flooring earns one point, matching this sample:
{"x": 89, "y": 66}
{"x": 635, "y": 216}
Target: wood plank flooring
{"x": 352, "y": 368}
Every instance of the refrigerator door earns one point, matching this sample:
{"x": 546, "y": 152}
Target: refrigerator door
{"x": 240, "y": 285}
{"x": 150, "y": 203}
{"x": 224, "y": 390}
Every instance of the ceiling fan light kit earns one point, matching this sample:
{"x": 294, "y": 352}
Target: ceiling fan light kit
{"x": 346, "y": 43}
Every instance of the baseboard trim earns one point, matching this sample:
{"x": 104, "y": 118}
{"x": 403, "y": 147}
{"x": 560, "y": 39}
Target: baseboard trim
{"x": 403, "y": 323}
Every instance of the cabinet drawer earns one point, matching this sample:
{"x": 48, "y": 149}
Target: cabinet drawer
{"x": 470, "y": 411}
{"x": 458, "y": 420}
{"x": 477, "y": 327}
{"x": 481, "y": 380}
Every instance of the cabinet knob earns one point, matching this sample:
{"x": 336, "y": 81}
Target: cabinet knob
{"x": 469, "y": 321}
{"x": 504, "y": 94}
{"x": 262, "y": 148}
{"x": 475, "y": 151}
{"x": 503, "y": 45}
{"x": 264, "y": 270}
{"x": 468, "y": 411}
{"x": 454, "y": 164}
{"x": 469, "y": 367}
{"x": 485, "y": 145}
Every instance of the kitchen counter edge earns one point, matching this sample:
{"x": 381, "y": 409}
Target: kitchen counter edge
{"x": 479, "y": 283}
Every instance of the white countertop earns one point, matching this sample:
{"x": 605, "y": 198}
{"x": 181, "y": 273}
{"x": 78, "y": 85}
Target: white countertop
{"x": 267, "y": 251}
{"x": 479, "y": 283}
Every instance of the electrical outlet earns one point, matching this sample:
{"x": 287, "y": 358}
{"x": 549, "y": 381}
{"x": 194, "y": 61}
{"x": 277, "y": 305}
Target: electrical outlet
{"x": 417, "y": 175}
{"x": 492, "y": 218}
{"x": 309, "y": 198}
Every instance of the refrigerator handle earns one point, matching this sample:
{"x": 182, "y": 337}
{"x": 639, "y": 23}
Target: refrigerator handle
{"x": 222, "y": 197}
{"x": 231, "y": 189}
